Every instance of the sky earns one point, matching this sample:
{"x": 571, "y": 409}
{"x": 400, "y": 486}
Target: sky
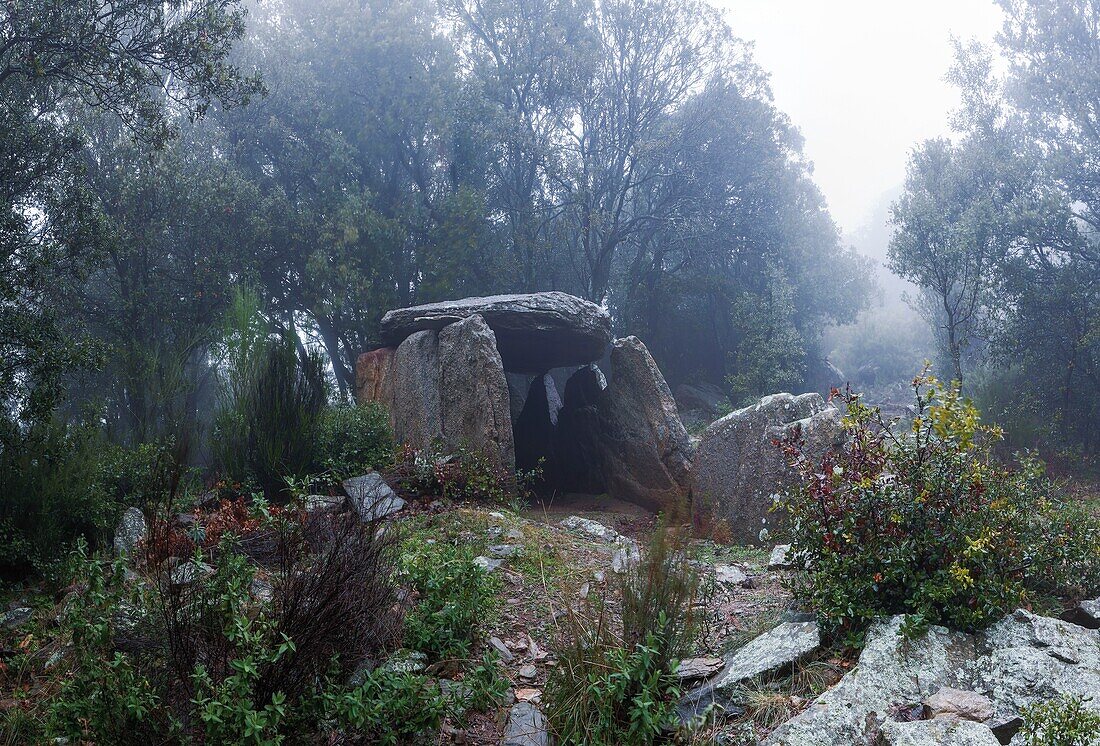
{"x": 864, "y": 82}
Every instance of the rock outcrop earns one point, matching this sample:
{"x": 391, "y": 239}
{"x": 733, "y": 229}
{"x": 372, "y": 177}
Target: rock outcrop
{"x": 534, "y": 332}
{"x": 474, "y": 392}
{"x": 771, "y": 653}
{"x": 645, "y": 449}
{"x": 738, "y": 468}
{"x": 1022, "y": 659}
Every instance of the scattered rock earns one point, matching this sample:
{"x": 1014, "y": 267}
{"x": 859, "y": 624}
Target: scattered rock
{"x": 188, "y": 572}
{"x": 769, "y": 654}
{"x": 1022, "y": 659}
{"x": 592, "y": 529}
{"x": 406, "y": 661}
{"x": 372, "y": 498}
{"x": 16, "y": 617}
{"x": 262, "y": 590}
{"x": 534, "y": 696}
{"x": 526, "y": 726}
{"x": 324, "y": 503}
{"x": 506, "y": 655}
{"x": 1085, "y": 614}
{"x": 535, "y": 332}
{"x": 131, "y": 531}
{"x": 738, "y": 468}
{"x": 937, "y": 733}
{"x": 959, "y": 704}
{"x": 691, "y": 669}
{"x": 644, "y": 449}
{"x": 730, "y": 575}
{"x": 474, "y": 392}
{"x": 625, "y": 555}
{"x": 504, "y": 551}
{"x": 488, "y": 564}
{"x": 780, "y": 557}
{"x": 513, "y": 534}
{"x": 528, "y": 672}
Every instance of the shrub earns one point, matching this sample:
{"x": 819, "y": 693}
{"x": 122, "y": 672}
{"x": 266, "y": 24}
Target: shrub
{"x": 61, "y": 482}
{"x": 104, "y": 697}
{"x": 463, "y": 474}
{"x": 356, "y": 439}
{"x": 925, "y": 522}
{"x": 389, "y": 708}
{"x": 455, "y": 599}
{"x": 1063, "y": 721}
{"x": 619, "y": 687}
{"x": 269, "y": 429}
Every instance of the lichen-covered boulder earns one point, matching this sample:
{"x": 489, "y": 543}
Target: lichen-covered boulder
{"x": 1021, "y": 660}
{"x": 534, "y": 332}
{"x": 131, "y": 531}
{"x": 372, "y": 497}
{"x": 474, "y": 392}
{"x": 938, "y": 733}
{"x": 645, "y": 451}
{"x": 769, "y": 654}
{"x": 738, "y": 468}
{"x": 416, "y": 410}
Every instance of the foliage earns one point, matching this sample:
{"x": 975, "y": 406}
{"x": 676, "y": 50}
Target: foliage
{"x": 618, "y": 687}
{"x": 464, "y": 474}
{"x": 1064, "y": 721}
{"x": 355, "y": 439}
{"x": 925, "y": 522}
{"x": 104, "y": 697}
{"x": 454, "y": 600}
{"x": 64, "y": 482}
{"x": 144, "y": 62}
{"x": 273, "y": 415}
{"x": 389, "y": 707}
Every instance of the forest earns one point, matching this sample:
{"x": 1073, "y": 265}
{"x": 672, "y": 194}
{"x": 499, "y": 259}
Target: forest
{"x": 208, "y": 206}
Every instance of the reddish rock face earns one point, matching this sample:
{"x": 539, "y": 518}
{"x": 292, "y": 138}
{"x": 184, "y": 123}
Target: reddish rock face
{"x": 374, "y": 376}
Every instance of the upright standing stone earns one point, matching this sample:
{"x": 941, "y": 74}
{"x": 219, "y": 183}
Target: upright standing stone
{"x": 646, "y": 453}
{"x": 416, "y": 409}
{"x": 739, "y": 469}
{"x": 474, "y": 391}
{"x": 374, "y": 376}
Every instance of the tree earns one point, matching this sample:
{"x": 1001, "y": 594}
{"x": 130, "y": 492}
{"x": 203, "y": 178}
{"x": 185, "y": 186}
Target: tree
{"x": 142, "y": 61}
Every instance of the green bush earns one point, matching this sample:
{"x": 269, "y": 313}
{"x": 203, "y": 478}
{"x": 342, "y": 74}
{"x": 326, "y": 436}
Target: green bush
{"x": 268, "y": 431}
{"x": 354, "y": 440}
{"x": 1064, "y": 721}
{"x": 389, "y": 708}
{"x": 618, "y": 686}
{"x": 926, "y": 522}
{"x": 455, "y": 598}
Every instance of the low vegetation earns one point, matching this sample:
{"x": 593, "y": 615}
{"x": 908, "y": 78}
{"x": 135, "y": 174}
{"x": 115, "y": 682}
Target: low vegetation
{"x": 925, "y": 521}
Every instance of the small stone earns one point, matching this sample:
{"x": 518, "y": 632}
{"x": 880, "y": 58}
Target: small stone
{"x": 590, "y": 528}
{"x": 534, "y": 651}
{"x": 372, "y": 498}
{"x": 730, "y": 575}
{"x": 406, "y": 661}
{"x": 780, "y": 557}
{"x": 583, "y": 592}
{"x": 517, "y": 646}
{"x": 526, "y": 726}
{"x": 324, "y": 503}
{"x": 17, "y": 617}
{"x": 534, "y": 696}
{"x": 487, "y": 564}
{"x": 188, "y": 572}
{"x": 698, "y": 668}
{"x": 528, "y": 672}
{"x": 503, "y": 551}
{"x": 958, "y": 703}
{"x": 131, "y": 531}
{"x": 514, "y": 534}
{"x": 502, "y": 650}
{"x": 262, "y": 590}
